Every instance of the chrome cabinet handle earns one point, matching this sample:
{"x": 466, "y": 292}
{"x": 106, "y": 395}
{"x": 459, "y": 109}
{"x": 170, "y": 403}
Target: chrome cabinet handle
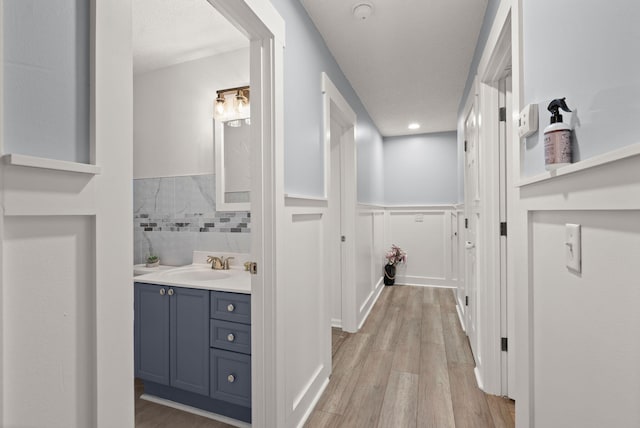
{"x": 162, "y": 291}
{"x": 230, "y": 307}
{"x": 231, "y": 378}
{"x": 170, "y": 292}
{"x": 231, "y": 337}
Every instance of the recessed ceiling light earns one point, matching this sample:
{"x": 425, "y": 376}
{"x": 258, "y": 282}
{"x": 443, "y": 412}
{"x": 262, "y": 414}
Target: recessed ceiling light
{"x": 414, "y": 126}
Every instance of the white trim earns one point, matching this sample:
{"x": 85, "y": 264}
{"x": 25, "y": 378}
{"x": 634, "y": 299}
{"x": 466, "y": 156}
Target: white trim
{"x": 332, "y": 94}
{"x": 495, "y": 57}
{"x": 334, "y": 104}
{"x": 51, "y": 164}
{"x": 301, "y": 395}
{"x": 290, "y": 196}
{"x": 262, "y": 24}
{"x": 420, "y": 207}
{"x": 603, "y": 159}
{"x": 313, "y": 403}
{"x": 195, "y": 411}
{"x": 423, "y": 281}
{"x": 370, "y": 302}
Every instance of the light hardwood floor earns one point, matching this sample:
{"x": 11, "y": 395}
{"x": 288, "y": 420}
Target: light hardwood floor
{"x": 409, "y": 366}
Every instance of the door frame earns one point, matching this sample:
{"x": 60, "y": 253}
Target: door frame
{"x": 497, "y": 54}
{"x": 335, "y": 105}
{"x": 264, "y": 27}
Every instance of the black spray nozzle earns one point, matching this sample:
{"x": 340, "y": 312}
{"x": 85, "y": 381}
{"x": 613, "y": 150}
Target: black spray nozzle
{"x": 554, "y": 107}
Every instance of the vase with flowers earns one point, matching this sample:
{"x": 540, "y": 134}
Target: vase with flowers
{"x": 394, "y": 256}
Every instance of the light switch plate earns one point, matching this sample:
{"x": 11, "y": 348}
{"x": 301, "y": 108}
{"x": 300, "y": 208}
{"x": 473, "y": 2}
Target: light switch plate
{"x": 573, "y": 247}
{"x": 528, "y": 121}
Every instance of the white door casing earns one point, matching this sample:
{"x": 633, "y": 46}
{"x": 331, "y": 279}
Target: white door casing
{"x": 337, "y": 109}
{"x": 262, "y": 24}
{"x": 334, "y": 244}
{"x": 472, "y": 217}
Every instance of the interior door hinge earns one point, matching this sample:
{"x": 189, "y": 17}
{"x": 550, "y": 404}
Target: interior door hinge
{"x": 466, "y": 300}
{"x": 466, "y": 223}
{"x": 502, "y": 113}
{"x": 504, "y": 344}
{"x": 465, "y": 145}
{"x": 343, "y": 238}
{"x": 503, "y": 228}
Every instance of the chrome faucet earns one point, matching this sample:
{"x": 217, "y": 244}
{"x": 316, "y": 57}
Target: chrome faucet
{"x": 219, "y": 263}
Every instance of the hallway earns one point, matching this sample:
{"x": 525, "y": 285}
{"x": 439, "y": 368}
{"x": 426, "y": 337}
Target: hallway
{"x": 409, "y": 366}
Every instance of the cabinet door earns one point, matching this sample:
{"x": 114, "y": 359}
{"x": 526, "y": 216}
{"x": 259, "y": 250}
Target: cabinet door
{"x": 190, "y": 340}
{"x": 151, "y": 327}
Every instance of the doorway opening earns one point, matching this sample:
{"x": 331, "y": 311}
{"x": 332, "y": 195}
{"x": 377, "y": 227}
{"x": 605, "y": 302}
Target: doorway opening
{"x": 340, "y": 191}
{"x": 263, "y": 32}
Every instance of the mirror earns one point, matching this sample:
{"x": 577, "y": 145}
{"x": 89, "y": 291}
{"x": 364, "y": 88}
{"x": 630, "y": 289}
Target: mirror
{"x": 233, "y": 172}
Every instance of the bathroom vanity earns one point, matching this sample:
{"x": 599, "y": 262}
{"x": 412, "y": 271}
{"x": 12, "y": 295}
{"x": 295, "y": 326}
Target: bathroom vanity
{"x": 193, "y": 338}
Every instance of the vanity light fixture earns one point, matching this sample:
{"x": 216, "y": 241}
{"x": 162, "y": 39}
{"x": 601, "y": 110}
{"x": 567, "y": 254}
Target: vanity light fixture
{"x": 232, "y": 103}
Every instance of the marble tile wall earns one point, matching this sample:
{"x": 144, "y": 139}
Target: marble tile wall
{"x": 173, "y": 216}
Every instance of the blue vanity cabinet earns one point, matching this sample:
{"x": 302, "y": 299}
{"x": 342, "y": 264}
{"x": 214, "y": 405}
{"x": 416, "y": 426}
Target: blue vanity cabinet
{"x": 151, "y": 333}
{"x": 189, "y": 333}
{"x": 171, "y": 336}
{"x": 230, "y": 339}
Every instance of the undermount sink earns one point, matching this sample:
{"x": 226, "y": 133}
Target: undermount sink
{"x": 195, "y": 274}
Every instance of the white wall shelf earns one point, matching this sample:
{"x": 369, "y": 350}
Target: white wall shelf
{"x": 612, "y": 156}
{"x": 51, "y": 164}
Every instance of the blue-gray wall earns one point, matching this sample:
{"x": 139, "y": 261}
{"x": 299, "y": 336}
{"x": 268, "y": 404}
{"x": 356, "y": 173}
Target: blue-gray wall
{"x": 420, "y": 169}
{"x": 587, "y": 52}
{"x": 584, "y": 51}
{"x": 306, "y": 57}
{"x": 46, "y": 78}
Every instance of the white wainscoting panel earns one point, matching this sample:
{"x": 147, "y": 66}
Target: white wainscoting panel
{"x": 425, "y": 234}
{"x": 49, "y": 321}
{"x": 578, "y": 334}
{"x": 307, "y": 331}
{"x": 586, "y": 334}
{"x": 369, "y": 258}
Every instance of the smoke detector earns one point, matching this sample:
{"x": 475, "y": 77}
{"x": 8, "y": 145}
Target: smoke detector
{"x": 362, "y": 11}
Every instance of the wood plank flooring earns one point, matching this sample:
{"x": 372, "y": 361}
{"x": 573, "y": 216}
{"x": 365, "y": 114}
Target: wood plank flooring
{"x": 152, "y": 415}
{"x": 409, "y": 366}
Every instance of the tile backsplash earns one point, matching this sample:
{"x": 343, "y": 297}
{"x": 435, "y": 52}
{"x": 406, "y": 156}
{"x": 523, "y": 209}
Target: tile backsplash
{"x": 173, "y": 216}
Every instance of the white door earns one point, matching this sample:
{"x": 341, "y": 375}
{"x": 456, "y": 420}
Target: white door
{"x": 472, "y": 220}
{"x": 507, "y": 363}
{"x": 335, "y": 224}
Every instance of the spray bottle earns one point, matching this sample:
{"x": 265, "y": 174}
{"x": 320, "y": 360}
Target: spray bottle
{"x": 557, "y": 137}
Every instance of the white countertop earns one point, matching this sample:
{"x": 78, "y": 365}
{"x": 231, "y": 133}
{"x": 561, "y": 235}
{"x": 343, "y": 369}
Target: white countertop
{"x": 235, "y": 280}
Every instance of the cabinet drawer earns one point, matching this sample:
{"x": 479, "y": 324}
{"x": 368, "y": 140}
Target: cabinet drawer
{"x": 231, "y": 306}
{"x": 231, "y": 377}
{"x": 230, "y": 336}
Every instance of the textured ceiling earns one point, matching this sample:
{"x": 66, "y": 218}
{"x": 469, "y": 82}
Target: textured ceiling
{"x": 408, "y": 62}
{"x": 167, "y": 32}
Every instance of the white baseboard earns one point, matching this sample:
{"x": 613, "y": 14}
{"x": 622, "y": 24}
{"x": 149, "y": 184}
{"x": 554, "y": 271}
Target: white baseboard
{"x": 425, "y": 281}
{"x": 336, "y": 323}
{"x": 368, "y": 304}
{"x": 313, "y": 403}
{"x": 195, "y": 411}
{"x": 460, "y": 317}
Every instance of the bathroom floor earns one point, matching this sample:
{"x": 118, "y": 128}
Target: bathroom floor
{"x": 409, "y": 366}
{"x": 152, "y": 415}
